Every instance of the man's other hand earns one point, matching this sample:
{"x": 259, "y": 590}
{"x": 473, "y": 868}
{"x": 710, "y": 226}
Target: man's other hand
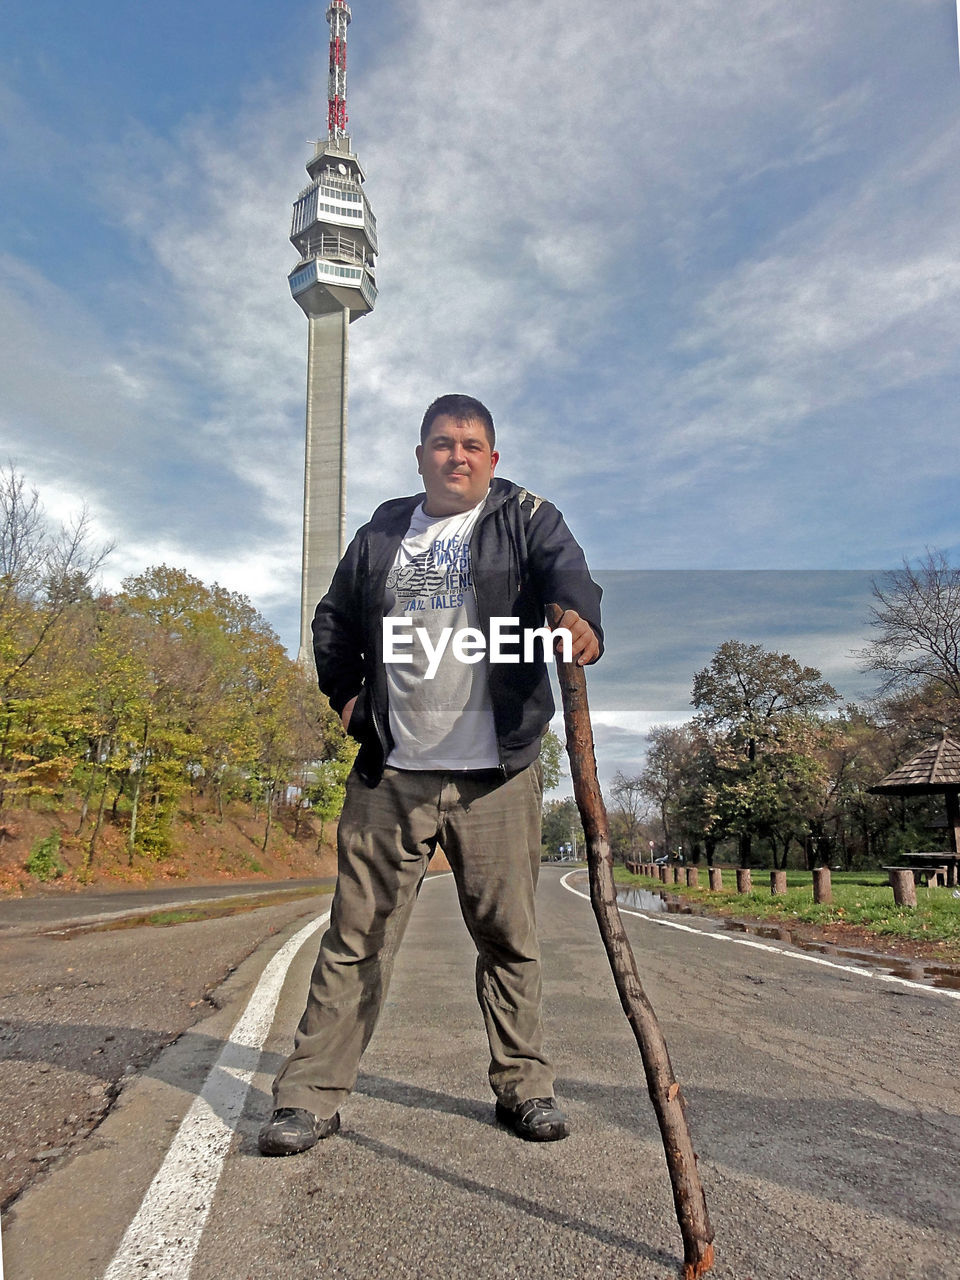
{"x": 347, "y": 712}
{"x": 586, "y": 646}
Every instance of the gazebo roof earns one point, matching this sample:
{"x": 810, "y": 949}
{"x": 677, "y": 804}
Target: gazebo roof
{"x": 934, "y": 769}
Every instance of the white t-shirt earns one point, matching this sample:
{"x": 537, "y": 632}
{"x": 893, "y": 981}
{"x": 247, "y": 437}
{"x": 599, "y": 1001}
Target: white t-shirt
{"x": 445, "y": 722}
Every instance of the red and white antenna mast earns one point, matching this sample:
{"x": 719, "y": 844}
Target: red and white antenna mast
{"x": 338, "y": 16}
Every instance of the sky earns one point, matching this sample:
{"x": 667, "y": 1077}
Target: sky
{"x": 700, "y": 260}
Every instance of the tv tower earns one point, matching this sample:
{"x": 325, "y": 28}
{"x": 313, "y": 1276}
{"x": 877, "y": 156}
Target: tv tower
{"x": 335, "y": 233}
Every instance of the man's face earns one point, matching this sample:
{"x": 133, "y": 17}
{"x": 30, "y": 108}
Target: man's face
{"x": 457, "y": 465}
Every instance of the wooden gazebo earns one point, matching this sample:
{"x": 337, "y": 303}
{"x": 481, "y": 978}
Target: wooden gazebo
{"x": 933, "y": 771}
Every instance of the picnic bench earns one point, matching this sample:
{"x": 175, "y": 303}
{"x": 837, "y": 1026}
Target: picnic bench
{"x": 939, "y": 859}
{"x": 932, "y": 869}
{"x": 922, "y": 875}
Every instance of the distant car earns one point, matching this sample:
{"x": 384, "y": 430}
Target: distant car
{"x": 661, "y": 862}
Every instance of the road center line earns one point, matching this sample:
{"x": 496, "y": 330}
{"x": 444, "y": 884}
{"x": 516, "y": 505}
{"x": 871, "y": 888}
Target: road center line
{"x": 163, "y": 1237}
{"x": 780, "y": 951}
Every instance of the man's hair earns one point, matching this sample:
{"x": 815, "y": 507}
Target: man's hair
{"x": 463, "y": 409}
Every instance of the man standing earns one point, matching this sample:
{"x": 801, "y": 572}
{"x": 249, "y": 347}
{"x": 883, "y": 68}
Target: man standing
{"x": 449, "y": 737}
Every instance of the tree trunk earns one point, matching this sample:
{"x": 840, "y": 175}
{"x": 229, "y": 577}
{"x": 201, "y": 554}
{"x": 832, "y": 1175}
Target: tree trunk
{"x": 116, "y": 799}
{"x": 135, "y": 805}
{"x": 85, "y": 806}
{"x": 745, "y": 846}
{"x": 266, "y": 833}
{"x": 785, "y": 858}
{"x": 668, "y": 1103}
{"x": 3, "y": 763}
{"x": 92, "y": 846}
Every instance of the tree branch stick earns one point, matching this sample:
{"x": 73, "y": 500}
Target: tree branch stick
{"x": 664, "y": 1090}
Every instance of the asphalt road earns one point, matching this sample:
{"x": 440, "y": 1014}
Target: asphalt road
{"x": 47, "y": 910}
{"x": 823, "y": 1102}
{"x": 81, "y": 1013}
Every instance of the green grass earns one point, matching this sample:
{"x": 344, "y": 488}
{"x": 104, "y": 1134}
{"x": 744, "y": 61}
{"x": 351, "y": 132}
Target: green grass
{"x": 45, "y": 862}
{"x": 862, "y": 898}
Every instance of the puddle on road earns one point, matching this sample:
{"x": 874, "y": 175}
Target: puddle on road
{"x": 934, "y": 975}
{"x": 640, "y": 900}
{"x": 634, "y": 899}
{"x": 931, "y": 974}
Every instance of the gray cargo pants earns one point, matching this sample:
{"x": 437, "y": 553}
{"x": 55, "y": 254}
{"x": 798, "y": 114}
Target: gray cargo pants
{"x": 489, "y": 828}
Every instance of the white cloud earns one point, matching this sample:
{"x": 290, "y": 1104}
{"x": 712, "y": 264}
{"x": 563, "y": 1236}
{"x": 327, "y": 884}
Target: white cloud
{"x": 543, "y": 187}
{"x": 850, "y": 303}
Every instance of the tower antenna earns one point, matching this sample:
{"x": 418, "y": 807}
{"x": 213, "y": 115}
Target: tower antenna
{"x": 338, "y": 16}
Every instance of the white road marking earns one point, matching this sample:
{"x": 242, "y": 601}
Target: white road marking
{"x": 654, "y": 918}
{"x": 162, "y": 1239}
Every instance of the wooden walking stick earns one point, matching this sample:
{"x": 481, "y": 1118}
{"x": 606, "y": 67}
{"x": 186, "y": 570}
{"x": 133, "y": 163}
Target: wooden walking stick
{"x": 664, "y": 1090}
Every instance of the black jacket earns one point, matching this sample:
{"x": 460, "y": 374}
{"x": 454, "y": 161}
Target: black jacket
{"x": 523, "y": 557}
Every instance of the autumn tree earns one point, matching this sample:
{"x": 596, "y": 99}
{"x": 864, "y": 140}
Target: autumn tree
{"x": 552, "y": 756}
{"x": 327, "y": 783}
{"x": 561, "y": 826}
{"x": 849, "y": 822}
{"x": 136, "y": 700}
{"x": 764, "y": 706}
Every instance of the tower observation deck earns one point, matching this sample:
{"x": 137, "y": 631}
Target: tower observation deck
{"x": 335, "y": 233}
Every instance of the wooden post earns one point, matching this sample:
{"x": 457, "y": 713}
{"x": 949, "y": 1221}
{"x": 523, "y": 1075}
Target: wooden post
{"x": 664, "y": 873}
{"x": 664, "y": 1090}
{"x": 904, "y": 887}
{"x": 953, "y": 830}
{"x": 693, "y": 877}
{"x": 953, "y": 817}
{"x": 678, "y": 877}
{"x": 716, "y": 879}
{"x": 744, "y": 880}
{"x": 778, "y": 882}
{"x": 822, "y": 892}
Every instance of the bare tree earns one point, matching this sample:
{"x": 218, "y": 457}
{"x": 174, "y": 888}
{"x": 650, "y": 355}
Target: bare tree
{"x": 665, "y": 776}
{"x": 630, "y": 809}
{"x": 917, "y": 617}
{"x": 42, "y": 573}
{"x": 23, "y": 536}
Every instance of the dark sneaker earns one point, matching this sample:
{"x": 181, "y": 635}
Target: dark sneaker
{"x": 537, "y": 1119}
{"x": 291, "y": 1130}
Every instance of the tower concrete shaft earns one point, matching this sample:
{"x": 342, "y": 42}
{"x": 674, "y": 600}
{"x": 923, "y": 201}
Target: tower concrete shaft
{"x": 324, "y": 464}
{"x": 334, "y": 282}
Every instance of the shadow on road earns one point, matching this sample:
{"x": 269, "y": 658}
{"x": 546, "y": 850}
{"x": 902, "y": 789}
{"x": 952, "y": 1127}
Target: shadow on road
{"x": 518, "y": 1204}
{"x": 866, "y": 1155}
